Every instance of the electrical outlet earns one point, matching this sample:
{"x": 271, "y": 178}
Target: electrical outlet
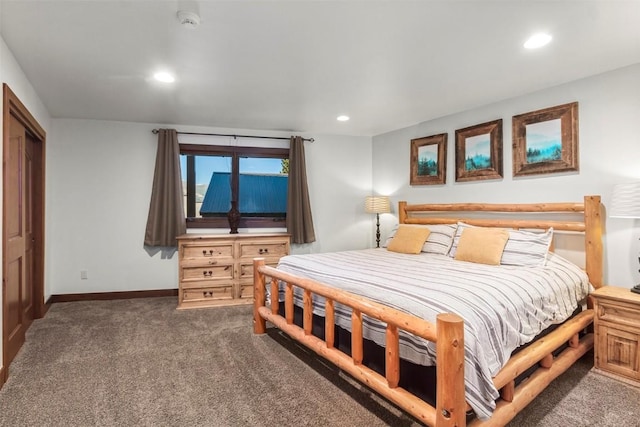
{"x": 83, "y": 274}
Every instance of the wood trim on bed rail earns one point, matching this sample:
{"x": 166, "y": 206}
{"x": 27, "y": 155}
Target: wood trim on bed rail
{"x": 542, "y": 348}
{"x": 504, "y": 223}
{"x": 534, "y": 385}
{"x": 497, "y": 207}
{"x": 448, "y": 333}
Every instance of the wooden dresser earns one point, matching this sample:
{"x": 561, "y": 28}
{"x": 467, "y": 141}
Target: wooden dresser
{"x": 217, "y": 269}
{"x": 617, "y": 328}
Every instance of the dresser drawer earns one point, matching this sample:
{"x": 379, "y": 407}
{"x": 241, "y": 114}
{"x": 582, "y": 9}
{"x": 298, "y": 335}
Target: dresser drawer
{"x": 206, "y": 251}
{"x": 217, "y": 271}
{"x": 246, "y": 269}
{"x": 263, "y": 249}
{"x": 619, "y": 313}
{"x": 207, "y": 294}
{"x": 246, "y": 290}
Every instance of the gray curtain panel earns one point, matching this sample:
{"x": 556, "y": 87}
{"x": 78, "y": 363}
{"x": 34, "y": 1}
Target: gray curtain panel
{"x": 299, "y": 219}
{"x": 166, "y": 218}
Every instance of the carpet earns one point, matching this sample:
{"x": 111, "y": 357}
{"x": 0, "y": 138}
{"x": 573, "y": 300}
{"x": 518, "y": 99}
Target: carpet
{"x": 142, "y": 362}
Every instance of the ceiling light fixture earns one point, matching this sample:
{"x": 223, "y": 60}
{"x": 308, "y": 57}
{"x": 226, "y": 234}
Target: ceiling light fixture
{"x": 342, "y": 118}
{"x": 164, "y": 77}
{"x": 189, "y": 20}
{"x": 537, "y": 40}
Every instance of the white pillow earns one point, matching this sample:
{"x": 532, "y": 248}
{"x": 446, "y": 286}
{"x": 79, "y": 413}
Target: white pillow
{"x": 439, "y": 241}
{"x": 524, "y": 248}
{"x": 527, "y": 248}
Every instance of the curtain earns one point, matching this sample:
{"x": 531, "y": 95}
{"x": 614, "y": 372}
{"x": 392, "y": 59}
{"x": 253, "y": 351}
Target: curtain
{"x": 166, "y": 218}
{"x": 299, "y": 220}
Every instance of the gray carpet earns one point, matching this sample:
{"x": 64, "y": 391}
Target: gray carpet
{"x": 140, "y": 362}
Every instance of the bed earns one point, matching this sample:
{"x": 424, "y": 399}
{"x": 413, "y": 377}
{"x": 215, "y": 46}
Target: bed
{"x": 380, "y": 296}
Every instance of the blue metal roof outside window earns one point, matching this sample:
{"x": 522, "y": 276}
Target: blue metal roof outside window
{"x": 260, "y": 195}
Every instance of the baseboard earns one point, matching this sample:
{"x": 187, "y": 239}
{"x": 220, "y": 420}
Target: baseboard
{"x": 93, "y": 296}
{"x": 3, "y": 376}
{"x": 46, "y": 306}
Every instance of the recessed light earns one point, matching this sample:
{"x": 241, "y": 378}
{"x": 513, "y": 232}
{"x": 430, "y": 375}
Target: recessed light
{"x": 537, "y": 40}
{"x": 164, "y": 77}
{"x": 342, "y": 118}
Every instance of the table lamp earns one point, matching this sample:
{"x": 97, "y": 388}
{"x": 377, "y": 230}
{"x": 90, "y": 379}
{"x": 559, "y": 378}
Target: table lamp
{"x": 377, "y": 205}
{"x": 625, "y": 203}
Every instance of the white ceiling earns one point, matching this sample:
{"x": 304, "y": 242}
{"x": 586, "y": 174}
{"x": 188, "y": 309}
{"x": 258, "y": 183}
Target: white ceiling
{"x": 296, "y": 65}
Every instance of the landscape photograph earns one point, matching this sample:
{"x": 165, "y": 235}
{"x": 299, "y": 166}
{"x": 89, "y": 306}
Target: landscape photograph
{"x": 478, "y": 152}
{"x": 544, "y": 141}
{"x": 428, "y": 160}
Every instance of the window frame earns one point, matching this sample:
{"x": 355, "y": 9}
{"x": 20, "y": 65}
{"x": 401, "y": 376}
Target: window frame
{"x": 191, "y": 150}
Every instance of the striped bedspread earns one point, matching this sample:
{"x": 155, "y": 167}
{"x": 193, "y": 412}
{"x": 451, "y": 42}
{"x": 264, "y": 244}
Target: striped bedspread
{"x": 503, "y": 307}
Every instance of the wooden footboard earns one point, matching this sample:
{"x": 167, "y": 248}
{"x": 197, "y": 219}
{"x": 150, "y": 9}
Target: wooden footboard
{"x": 447, "y": 333}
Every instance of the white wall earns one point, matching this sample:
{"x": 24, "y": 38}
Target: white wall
{"x": 339, "y": 175}
{"x": 609, "y": 110}
{"x": 100, "y": 177}
{"x": 12, "y": 75}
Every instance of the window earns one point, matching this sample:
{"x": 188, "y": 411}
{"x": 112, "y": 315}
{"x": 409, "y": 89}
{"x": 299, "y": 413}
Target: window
{"x": 213, "y": 175}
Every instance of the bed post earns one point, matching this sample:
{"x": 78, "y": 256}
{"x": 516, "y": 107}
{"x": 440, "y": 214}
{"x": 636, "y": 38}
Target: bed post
{"x": 450, "y": 396}
{"x": 259, "y": 324}
{"x": 593, "y": 240}
{"x": 402, "y": 212}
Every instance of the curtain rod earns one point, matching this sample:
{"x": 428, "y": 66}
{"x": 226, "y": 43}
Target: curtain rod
{"x": 155, "y": 131}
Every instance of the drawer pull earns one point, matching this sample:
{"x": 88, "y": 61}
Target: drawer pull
{"x": 263, "y": 251}
{"x": 213, "y": 262}
{"x": 209, "y": 253}
{"x": 207, "y": 294}
{"x": 207, "y": 273}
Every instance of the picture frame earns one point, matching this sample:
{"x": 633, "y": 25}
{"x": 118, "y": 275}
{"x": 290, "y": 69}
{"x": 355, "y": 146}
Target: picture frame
{"x": 546, "y": 141}
{"x": 429, "y": 160}
{"x": 479, "y": 152}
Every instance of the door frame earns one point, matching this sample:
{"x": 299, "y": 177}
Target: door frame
{"x": 13, "y": 106}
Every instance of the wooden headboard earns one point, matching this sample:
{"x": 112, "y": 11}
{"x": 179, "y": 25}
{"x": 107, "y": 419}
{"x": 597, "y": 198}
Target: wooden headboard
{"x": 585, "y": 218}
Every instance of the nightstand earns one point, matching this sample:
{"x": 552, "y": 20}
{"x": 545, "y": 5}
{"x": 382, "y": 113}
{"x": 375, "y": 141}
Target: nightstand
{"x": 617, "y": 329}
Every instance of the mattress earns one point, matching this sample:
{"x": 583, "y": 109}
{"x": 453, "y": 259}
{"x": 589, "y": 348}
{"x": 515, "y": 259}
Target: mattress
{"x": 503, "y": 307}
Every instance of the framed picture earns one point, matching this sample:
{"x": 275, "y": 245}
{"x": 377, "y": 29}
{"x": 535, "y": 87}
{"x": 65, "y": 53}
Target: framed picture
{"x": 479, "y": 152}
{"x": 546, "y": 141}
{"x": 429, "y": 160}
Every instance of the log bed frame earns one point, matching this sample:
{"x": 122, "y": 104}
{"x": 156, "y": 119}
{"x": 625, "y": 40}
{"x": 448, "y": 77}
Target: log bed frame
{"x": 447, "y": 332}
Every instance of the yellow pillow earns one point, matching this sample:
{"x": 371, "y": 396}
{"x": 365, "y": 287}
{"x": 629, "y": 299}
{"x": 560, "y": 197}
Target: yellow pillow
{"x": 482, "y": 245}
{"x": 408, "y": 239}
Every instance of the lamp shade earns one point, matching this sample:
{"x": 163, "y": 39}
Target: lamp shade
{"x": 377, "y": 204}
{"x": 625, "y": 202}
